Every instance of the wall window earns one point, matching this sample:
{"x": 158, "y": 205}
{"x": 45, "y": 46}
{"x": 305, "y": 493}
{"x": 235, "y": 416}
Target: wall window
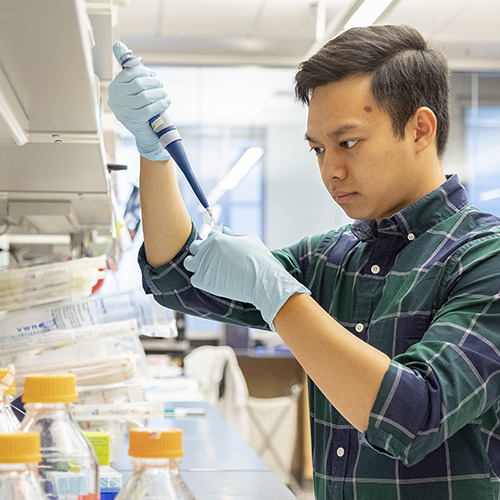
{"x": 474, "y": 147}
{"x": 483, "y": 155}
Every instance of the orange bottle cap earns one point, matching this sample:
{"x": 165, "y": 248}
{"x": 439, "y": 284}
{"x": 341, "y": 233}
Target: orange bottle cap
{"x": 20, "y": 447}
{"x": 42, "y": 388}
{"x": 147, "y": 442}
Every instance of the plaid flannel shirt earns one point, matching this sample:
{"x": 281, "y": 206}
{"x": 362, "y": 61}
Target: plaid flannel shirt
{"x": 423, "y": 287}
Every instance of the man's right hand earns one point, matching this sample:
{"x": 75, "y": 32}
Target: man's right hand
{"x": 135, "y": 96}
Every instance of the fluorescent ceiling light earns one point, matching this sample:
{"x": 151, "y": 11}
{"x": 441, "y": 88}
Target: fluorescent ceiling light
{"x": 367, "y": 13}
{"x": 490, "y": 195}
{"x": 249, "y": 158}
{"x": 320, "y": 20}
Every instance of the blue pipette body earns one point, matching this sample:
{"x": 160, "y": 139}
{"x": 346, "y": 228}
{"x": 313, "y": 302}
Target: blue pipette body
{"x": 166, "y": 131}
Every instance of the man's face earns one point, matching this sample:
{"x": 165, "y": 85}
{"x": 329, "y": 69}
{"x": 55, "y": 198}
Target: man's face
{"x": 369, "y": 172}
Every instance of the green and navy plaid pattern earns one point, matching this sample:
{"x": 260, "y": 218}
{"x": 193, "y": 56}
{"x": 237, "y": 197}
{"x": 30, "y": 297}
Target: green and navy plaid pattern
{"x": 424, "y": 288}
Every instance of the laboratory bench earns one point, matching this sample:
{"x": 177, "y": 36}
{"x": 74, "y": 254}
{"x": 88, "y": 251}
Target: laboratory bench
{"x": 269, "y": 375}
{"x": 217, "y": 462}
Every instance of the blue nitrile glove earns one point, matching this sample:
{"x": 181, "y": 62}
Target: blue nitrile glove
{"x": 135, "y": 96}
{"x": 240, "y": 267}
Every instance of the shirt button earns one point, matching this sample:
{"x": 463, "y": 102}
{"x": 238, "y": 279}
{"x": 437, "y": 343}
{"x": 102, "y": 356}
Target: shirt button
{"x": 359, "y": 327}
{"x": 375, "y": 269}
{"x": 411, "y": 236}
{"x": 340, "y": 451}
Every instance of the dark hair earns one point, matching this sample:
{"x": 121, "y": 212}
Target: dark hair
{"x": 406, "y": 73}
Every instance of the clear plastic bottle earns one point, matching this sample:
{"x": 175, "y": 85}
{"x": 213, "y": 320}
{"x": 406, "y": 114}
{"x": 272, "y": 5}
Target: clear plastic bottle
{"x": 155, "y": 459}
{"x": 8, "y": 421}
{"x": 19, "y": 457}
{"x": 69, "y": 469}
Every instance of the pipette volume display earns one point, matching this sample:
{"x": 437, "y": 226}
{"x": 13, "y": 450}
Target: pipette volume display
{"x": 165, "y": 130}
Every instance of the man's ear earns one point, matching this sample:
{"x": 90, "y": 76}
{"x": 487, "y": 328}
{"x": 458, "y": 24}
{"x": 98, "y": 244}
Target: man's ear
{"x": 424, "y": 125}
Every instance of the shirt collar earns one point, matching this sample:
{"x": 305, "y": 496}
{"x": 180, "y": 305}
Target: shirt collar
{"x": 418, "y": 217}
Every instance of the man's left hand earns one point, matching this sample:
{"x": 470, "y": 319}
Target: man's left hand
{"x": 240, "y": 267}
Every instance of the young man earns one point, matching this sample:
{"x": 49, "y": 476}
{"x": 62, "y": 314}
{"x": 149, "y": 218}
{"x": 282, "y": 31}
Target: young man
{"x": 394, "y": 317}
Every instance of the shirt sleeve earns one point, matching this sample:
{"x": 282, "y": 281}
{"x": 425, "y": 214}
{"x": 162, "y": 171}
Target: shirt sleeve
{"x": 171, "y": 287}
{"x": 452, "y": 376}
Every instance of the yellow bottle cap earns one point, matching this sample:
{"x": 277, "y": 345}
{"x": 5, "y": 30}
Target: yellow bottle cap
{"x": 147, "y": 442}
{"x": 11, "y": 385}
{"x": 20, "y": 448}
{"x": 42, "y": 388}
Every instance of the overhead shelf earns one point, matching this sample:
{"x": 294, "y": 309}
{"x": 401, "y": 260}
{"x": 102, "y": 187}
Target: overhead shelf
{"x": 51, "y": 142}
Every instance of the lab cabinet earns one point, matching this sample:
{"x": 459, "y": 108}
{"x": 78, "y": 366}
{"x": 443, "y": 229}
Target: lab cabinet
{"x": 53, "y": 165}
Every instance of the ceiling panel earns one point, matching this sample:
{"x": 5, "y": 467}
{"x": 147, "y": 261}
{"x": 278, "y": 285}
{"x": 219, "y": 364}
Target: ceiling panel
{"x": 200, "y": 25}
{"x": 467, "y": 30}
{"x": 212, "y": 8}
{"x": 300, "y": 28}
{"x": 244, "y": 31}
{"x": 426, "y": 15}
{"x": 281, "y": 32}
{"x": 469, "y": 27}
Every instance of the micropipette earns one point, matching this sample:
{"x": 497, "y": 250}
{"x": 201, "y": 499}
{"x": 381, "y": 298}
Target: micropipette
{"x": 167, "y": 133}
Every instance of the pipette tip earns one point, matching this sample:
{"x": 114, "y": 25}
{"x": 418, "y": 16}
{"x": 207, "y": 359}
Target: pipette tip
{"x": 209, "y": 218}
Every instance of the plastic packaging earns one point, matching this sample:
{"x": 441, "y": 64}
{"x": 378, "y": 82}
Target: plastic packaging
{"x": 128, "y": 392}
{"x": 19, "y": 457}
{"x": 34, "y": 338}
{"x": 155, "y": 459}
{"x": 108, "y": 360}
{"x": 132, "y": 411}
{"x": 119, "y": 411}
{"x": 47, "y": 283}
{"x": 109, "y": 369}
{"x": 69, "y": 468}
{"x": 152, "y": 319}
{"x": 8, "y": 421}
